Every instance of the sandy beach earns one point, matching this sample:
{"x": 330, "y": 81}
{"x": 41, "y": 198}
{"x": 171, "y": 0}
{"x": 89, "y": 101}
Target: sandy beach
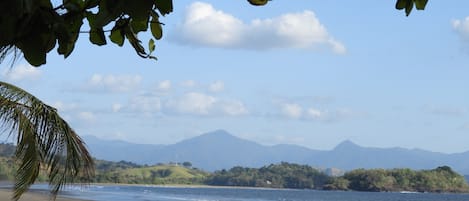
{"x": 5, "y": 195}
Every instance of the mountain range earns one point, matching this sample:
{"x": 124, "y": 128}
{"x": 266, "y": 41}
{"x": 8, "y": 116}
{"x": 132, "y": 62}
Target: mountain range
{"x": 221, "y": 150}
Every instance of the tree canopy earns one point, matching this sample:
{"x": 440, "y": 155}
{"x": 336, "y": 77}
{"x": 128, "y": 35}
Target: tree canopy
{"x": 33, "y": 28}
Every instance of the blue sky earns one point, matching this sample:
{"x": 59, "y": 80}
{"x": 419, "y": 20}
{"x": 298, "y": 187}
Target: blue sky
{"x": 312, "y": 73}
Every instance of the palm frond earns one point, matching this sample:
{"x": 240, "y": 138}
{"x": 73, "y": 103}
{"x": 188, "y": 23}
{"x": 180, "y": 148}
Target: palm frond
{"x": 44, "y": 140}
{"x": 9, "y": 50}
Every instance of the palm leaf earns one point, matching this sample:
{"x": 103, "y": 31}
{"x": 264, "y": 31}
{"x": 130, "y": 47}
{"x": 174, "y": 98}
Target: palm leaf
{"x": 44, "y": 140}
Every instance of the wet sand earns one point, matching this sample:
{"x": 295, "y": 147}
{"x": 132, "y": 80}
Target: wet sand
{"x": 5, "y": 195}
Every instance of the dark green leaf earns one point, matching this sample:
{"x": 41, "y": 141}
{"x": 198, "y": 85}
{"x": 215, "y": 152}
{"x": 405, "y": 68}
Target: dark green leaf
{"x": 108, "y": 11}
{"x": 405, "y": 4}
{"x": 258, "y": 2}
{"x": 138, "y": 10}
{"x": 74, "y": 5}
{"x": 67, "y": 33}
{"x": 139, "y": 25}
{"x": 401, "y": 4}
{"x": 33, "y": 50}
{"x": 117, "y": 37}
{"x": 134, "y": 41}
{"x": 151, "y": 46}
{"x": 164, "y": 6}
{"x": 91, "y": 3}
{"x": 420, "y": 4}
{"x": 49, "y": 41}
{"x": 409, "y": 7}
{"x": 156, "y": 29}
{"x": 97, "y": 36}
{"x": 35, "y": 58}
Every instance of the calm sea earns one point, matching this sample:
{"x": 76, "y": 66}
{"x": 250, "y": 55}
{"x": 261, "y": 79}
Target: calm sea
{"x": 152, "y": 193}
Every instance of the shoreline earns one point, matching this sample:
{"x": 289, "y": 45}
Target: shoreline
{"x": 33, "y": 195}
{"x": 257, "y": 188}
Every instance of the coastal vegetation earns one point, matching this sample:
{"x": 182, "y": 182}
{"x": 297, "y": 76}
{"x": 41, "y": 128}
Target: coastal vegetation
{"x": 440, "y": 179}
{"x": 282, "y": 175}
{"x": 130, "y": 173}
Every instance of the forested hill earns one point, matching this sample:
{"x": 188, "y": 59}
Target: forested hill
{"x": 281, "y": 175}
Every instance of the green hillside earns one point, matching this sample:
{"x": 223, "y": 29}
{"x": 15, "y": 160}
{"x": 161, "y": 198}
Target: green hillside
{"x": 159, "y": 174}
{"x": 283, "y": 175}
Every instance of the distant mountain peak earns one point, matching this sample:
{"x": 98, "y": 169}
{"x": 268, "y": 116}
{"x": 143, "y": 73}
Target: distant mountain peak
{"x": 347, "y": 144}
{"x": 214, "y": 137}
{"x": 218, "y": 132}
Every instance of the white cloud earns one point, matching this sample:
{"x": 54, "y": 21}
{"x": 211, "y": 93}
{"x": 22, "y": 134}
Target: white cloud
{"x": 217, "y": 86}
{"x": 293, "y": 111}
{"x": 233, "y": 108}
{"x": 205, "y": 26}
{"x": 164, "y": 85}
{"x": 194, "y": 103}
{"x": 298, "y": 112}
{"x": 145, "y": 104}
{"x": 462, "y": 28}
{"x": 201, "y": 18}
{"x": 116, "y": 107}
{"x": 314, "y": 113}
{"x": 113, "y": 83}
{"x": 22, "y": 72}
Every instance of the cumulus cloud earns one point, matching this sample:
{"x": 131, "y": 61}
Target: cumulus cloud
{"x": 21, "y": 73}
{"x": 113, "y": 83}
{"x": 144, "y": 104}
{"x": 314, "y": 113}
{"x": 164, "y": 85}
{"x": 217, "y": 86}
{"x": 205, "y": 26}
{"x": 233, "y": 108}
{"x": 293, "y": 111}
{"x": 462, "y": 28}
{"x": 194, "y": 103}
{"x": 116, "y": 107}
{"x": 296, "y": 111}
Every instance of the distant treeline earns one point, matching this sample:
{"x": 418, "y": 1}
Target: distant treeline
{"x": 283, "y": 175}
{"x": 441, "y": 179}
{"x": 287, "y": 175}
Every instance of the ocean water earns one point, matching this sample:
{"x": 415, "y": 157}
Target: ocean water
{"x": 155, "y": 193}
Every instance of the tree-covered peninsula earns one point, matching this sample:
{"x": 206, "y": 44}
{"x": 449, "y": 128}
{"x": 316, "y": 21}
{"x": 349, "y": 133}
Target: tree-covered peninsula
{"x": 282, "y": 175}
{"x": 440, "y": 179}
